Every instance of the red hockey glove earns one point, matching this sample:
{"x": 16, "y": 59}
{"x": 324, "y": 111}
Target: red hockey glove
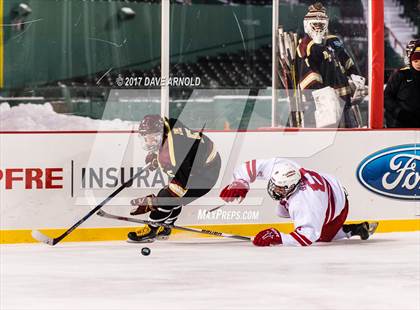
{"x": 144, "y": 204}
{"x": 267, "y": 237}
{"x": 152, "y": 159}
{"x": 237, "y": 189}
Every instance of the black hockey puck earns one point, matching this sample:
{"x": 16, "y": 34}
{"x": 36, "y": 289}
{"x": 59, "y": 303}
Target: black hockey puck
{"x": 145, "y": 251}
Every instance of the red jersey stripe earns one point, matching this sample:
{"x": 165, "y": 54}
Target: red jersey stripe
{"x": 331, "y": 204}
{"x": 254, "y": 169}
{"x": 251, "y": 170}
{"x": 308, "y": 242}
{"x": 298, "y": 238}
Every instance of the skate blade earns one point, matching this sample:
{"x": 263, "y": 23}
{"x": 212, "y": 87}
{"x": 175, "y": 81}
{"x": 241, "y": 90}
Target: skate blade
{"x": 372, "y": 227}
{"x": 162, "y": 238}
{"x": 142, "y": 241}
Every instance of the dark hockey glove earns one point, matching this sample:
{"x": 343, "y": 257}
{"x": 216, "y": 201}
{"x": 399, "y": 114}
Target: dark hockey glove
{"x": 237, "y": 189}
{"x": 144, "y": 204}
{"x": 267, "y": 237}
{"x": 152, "y": 159}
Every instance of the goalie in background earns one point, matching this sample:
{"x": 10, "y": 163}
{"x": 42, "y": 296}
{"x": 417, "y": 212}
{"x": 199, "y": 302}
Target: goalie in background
{"x": 316, "y": 202}
{"x": 192, "y": 164}
{"x": 325, "y": 66}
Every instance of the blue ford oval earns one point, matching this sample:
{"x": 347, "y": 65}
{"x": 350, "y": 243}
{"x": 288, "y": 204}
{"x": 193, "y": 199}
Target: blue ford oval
{"x": 392, "y": 172}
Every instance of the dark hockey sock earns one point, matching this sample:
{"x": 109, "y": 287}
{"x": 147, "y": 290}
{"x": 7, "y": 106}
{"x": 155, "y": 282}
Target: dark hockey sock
{"x": 165, "y": 214}
{"x": 174, "y": 215}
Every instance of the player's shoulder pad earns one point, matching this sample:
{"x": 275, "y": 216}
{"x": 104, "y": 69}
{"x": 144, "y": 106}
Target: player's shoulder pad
{"x": 305, "y": 46}
{"x": 332, "y": 37}
{"x": 169, "y": 122}
{"x": 173, "y": 122}
{"x": 334, "y": 41}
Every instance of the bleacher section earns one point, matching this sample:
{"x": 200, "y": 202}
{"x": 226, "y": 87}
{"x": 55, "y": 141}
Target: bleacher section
{"x": 411, "y": 10}
{"x": 234, "y": 70}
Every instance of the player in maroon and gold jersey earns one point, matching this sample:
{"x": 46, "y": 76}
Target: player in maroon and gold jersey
{"x": 192, "y": 164}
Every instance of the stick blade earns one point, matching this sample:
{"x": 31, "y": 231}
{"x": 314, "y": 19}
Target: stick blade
{"x": 100, "y": 213}
{"x": 37, "y": 235}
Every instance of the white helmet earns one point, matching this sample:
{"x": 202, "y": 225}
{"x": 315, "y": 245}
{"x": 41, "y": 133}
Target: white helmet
{"x": 315, "y": 22}
{"x": 284, "y": 181}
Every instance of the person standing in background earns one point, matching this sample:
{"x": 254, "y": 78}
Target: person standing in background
{"x": 402, "y": 92}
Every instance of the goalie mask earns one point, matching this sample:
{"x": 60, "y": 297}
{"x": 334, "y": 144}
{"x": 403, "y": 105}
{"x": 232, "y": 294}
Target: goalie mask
{"x": 284, "y": 181}
{"x": 315, "y": 22}
{"x": 151, "y": 130}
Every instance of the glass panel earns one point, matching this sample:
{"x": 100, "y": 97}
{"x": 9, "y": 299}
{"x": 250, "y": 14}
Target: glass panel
{"x": 402, "y": 25}
{"x": 66, "y": 57}
{"x": 323, "y": 65}
{"x": 224, "y": 48}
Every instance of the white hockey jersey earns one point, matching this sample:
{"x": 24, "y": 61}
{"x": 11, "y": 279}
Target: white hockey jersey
{"x": 319, "y": 200}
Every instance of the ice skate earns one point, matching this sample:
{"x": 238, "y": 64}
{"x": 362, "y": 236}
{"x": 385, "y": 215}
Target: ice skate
{"x": 147, "y": 234}
{"x": 364, "y": 230}
{"x": 163, "y": 234}
{"x": 372, "y": 227}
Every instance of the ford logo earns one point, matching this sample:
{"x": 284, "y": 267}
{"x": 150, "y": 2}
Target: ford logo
{"x": 392, "y": 172}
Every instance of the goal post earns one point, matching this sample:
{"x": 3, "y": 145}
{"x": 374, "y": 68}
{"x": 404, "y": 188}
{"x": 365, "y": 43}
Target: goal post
{"x": 376, "y": 63}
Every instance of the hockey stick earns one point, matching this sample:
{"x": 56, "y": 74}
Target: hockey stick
{"x": 214, "y": 209}
{"x": 36, "y": 234}
{"x": 195, "y": 230}
{"x": 290, "y": 44}
{"x": 287, "y": 45}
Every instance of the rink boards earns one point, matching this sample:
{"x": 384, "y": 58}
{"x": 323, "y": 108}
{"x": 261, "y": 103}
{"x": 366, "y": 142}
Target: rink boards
{"x": 50, "y": 180}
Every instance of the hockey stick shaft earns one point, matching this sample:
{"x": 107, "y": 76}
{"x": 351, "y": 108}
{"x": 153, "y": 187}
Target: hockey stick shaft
{"x": 195, "y": 230}
{"x": 53, "y": 241}
{"x": 216, "y": 208}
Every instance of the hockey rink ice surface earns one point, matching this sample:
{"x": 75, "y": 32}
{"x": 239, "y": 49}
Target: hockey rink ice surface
{"x": 381, "y": 273}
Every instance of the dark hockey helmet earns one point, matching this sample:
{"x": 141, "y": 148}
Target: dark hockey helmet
{"x": 315, "y": 22}
{"x": 151, "y": 130}
{"x": 151, "y": 123}
{"x": 409, "y": 49}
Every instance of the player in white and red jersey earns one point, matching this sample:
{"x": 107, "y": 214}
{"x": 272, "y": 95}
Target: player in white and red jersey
{"x": 316, "y": 202}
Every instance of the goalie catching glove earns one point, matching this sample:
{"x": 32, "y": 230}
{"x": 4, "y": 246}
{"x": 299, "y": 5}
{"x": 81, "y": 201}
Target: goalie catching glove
{"x": 144, "y": 204}
{"x": 267, "y": 237}
{"x": 358, "y": 87}
{"x": 236, "y": 190}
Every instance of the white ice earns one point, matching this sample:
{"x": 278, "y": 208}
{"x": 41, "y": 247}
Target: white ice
{"x": 381, "y": 273}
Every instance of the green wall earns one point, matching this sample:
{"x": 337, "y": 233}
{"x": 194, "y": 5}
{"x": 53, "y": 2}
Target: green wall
{"x": 70, "y": 38}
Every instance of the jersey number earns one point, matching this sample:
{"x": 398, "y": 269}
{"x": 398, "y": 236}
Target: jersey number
{"x": 313, "y": 180}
